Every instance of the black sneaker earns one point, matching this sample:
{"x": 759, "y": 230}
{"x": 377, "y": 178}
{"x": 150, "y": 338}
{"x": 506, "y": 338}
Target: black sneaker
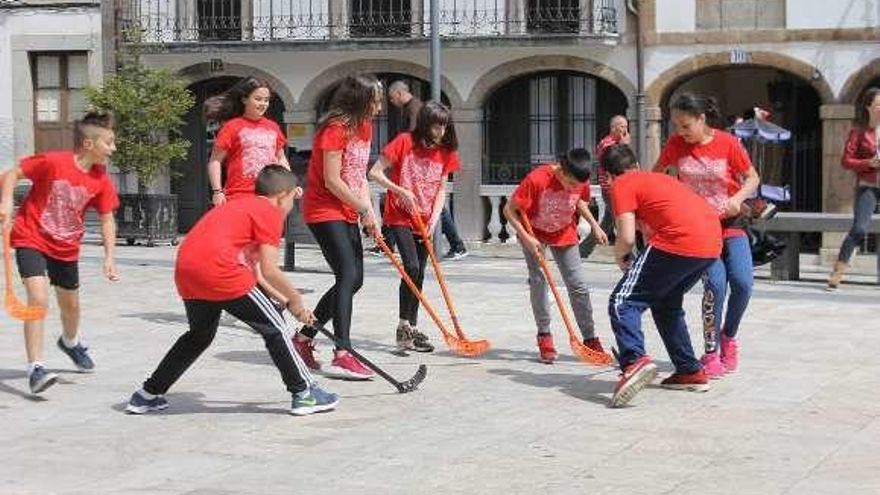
{"x": 404, "y": 337}
{"x": 456, "y": 254}
{"x": 420, "y": 342}
{"x": 40, "y": 379}
{"x": 138, "y": 404}
{"x": 375, "y": 251}
{"x": 79, "y": 355}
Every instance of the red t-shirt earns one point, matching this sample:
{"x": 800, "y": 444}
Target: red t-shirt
{"x": 217, "y": 257}
{"x": 421, "y": 171}
{"x": 321, "y": 205}
{"x": 550, "y": 206}
{"x": 680, "y": 221}
{"x": 714, "y": 170}
{"x": 250, "y": 145}
{"x": 51, "y": 218}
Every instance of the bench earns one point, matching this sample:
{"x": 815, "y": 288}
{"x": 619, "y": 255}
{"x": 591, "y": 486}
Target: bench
{"x": 789, "y": 225}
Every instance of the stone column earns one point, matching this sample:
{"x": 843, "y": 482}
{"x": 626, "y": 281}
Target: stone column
{"x": 838, "y": 184}
{"x": 653, "y": 129}
{"x": 467, "y": 203}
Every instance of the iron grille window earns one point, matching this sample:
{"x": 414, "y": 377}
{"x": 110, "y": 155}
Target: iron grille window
{"x": 219, "y": 20}
{"x": 535, "y": 119}
{"x": 380, "y": 18}
{"x": 553, "y": 16}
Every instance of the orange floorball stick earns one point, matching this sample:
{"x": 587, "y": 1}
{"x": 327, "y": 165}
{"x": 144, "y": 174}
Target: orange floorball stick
{"x": 423, "y": 231}
{"x": 459, "y": 346}
{"x": 583, "y": 352}
{"x": 14, "y": 306}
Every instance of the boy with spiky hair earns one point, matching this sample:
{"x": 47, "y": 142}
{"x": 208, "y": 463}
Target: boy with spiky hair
{"x": 48, "y": 230}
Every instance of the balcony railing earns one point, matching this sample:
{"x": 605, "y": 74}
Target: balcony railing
{"x": 172, "y": 21}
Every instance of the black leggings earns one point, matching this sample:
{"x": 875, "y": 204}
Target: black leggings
{"x": 257, "y": 311}
{"x": 341, "y": 245}
{"x": 414, "y": 255}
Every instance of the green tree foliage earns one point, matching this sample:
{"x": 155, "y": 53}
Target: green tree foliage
{"x": 148, "y": 106}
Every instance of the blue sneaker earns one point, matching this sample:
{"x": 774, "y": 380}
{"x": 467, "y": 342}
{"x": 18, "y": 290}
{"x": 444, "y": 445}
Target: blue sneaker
{"x": 316, "y": 401}
{"x": 40, "y": 379}
{"x": 140, "y": 405}
{"x": 79, "y": 355}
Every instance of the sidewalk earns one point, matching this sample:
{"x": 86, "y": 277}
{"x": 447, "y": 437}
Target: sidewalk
{"x": 800, "y": 418}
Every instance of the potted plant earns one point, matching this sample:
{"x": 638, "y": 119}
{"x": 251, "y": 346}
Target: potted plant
{"x": 148, "y": 105}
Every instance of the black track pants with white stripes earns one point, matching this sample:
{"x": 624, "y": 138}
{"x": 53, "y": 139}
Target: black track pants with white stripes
{"x": 254, "y": 309}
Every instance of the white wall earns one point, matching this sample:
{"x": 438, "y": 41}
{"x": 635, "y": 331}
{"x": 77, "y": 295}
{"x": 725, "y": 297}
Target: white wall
{"x": 37, "y": 30}
{"x": 461, "y": 66}
{"x": 675, "y": 16}
{"x": 824, "y": 14}
{"x": 7, "y": 153}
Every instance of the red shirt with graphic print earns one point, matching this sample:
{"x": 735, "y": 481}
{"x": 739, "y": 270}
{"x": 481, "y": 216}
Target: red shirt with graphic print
{"x": 51, "y": 218}
{"x": 550, "y": 206}
{"x": 250, "y": 145}
{"x": 321, "y": 205}
{"x": 421, "y": 171}
{"x": 217, "y": 257}
{"x": 680, "y": 221}
{"x": 715, "y": 170}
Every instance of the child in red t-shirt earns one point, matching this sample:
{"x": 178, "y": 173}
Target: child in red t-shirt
{"x": 246, "y": 142}
{"x": 216, "y": 271}
{"x": 716, "y": 166}
{"x": 419, "y": 162}
{"x": 553, "y": 196}
{"x": 337, "y": 196}
{"x": 684, "y": 238}
{"x": 49, "y": 227}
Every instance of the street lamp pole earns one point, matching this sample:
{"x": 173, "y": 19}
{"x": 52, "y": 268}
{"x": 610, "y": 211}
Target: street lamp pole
{"x": 435, "y": 50}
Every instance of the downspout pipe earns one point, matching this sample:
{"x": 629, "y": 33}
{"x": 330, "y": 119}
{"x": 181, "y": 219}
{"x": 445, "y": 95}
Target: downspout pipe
{"x": 641, "y": 120}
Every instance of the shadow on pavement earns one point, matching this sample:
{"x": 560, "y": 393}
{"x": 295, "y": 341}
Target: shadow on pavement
{"x": 194, "y": 403}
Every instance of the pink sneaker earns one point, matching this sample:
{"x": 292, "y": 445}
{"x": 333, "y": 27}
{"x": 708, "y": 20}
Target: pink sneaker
{"x": 712, "y": 365}
{"x": 730, "y": 354}
{"x": 347, "y": 366}
{"x": 306, "y": 350}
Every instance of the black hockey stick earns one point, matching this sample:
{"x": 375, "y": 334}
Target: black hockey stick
{"x": 402, "y": 387}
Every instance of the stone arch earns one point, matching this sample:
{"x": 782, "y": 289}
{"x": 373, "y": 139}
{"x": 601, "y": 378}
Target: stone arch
{"x": 663, "y": 85}
{"x": 508, "y": 71}
{"x": 202, "y": 71}
{"x": 858, "y": 81}
{"x": 308, "y": 99}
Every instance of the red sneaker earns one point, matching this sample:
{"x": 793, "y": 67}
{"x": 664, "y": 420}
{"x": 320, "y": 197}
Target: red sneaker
{"x": 633, "y": 380}
{"x": 306, "y": 350}
{"x": 730, "y": 354}
{"x": 697, "y": 381}
{"x": 546, "y": 348}
{"x": 595, "y": 344}
{"x": 347, "y": 366}
{"x": 713, "y": 365}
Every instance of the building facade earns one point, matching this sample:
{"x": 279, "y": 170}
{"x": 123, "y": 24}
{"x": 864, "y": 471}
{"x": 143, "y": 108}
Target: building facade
{"x": 49, "y": 52}
{"x": 527, "y": 78}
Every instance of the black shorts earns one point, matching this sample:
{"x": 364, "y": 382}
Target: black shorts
{"x": 33, "y": 263}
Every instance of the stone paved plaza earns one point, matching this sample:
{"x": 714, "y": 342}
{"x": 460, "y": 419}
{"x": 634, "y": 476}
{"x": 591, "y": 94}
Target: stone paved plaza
{"x": 802, "y": 416}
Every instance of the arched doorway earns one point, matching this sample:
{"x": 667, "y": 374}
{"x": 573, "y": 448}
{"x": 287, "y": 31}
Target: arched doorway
{"x": 536, "y": 117}
{"x": 191, "y": 182}
{"x": 794, "y": 104}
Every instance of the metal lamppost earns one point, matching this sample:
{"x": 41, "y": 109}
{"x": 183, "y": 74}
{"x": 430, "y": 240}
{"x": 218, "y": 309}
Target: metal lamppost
{"x": 435, "y": 50}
